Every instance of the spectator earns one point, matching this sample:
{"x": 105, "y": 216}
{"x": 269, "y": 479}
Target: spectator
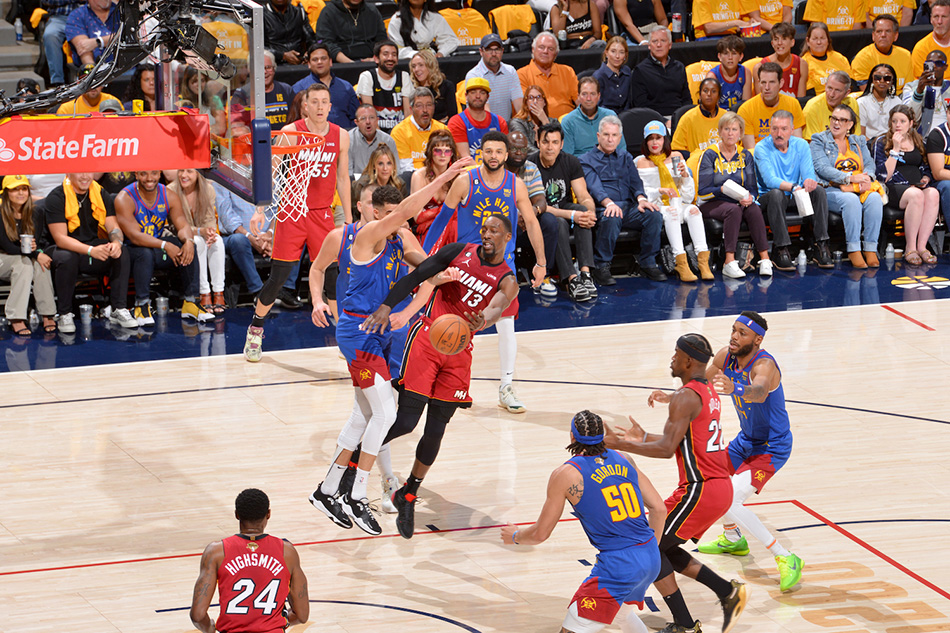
{"x": 883, "y": 50}
{"x": 938, "y": 157}
{"x": 659, "y": 82}
{"x": 638, "y": 18}
{"x": 757, "y": 111}
{"x": 820, "y": 107}
{"x": 278, "y": 96}
{"x": 930, "y": 88}
{"x": 506, "y": 91}
{"x": 142, "y": 88}
{"x": 147, "y": 211}
{"x": 728, "y": 17}
{"x": 54, "y": 35}
{"x": 418, "y": 26}
{"x": 76, "y": 225}
{"x": 110, "y": 106}
{"x": 612, "y": 180}
{"x": 729, "y": 162}
{"x": 558, "y": 81}
{"x": 193, "y": 92}
{"x": 673, "y": 191}
{"x": 845, "y": 168}
{"x": 469, "y": 126}
{"x": 86, "y": 102}
{"x": 366, "y": 137}
{"x": 425, "y": 72}
{"x": 580, "y": 125}
{"x": 27, "y": 86}
{"x": 199, "y": 204}
{"x": 879, "y": 97}
{"x": 344, "y": 99}
{"x": 381, "y": 171}
{"x": 902, "y": 165}
{"x": 89, "y": 30}
{"x": 735, "y": 79}
{"x": 412, "y": 134}
{"x": 581, "y": 24}
{"x": 839, "y": 15}
{"x": 533, "y": 114}
{"x": 23, "y": 270}
{"x": 901, "y": 10}
{"x": 783, "y": 164}
{"x": 351, "y": 29}
{"x": 240, "y": 242}
{"x": 386, "y": 88}
{"x": 937, "y": 40}
{"x": 439, "y": 153}
{"x": 771, "y": 13}
{"x": 698, "y": 128}
{"x": 563, "y": 179}
{"x": 287, "y": 31}
{"x": 614, "y": 76}
{"x": 821, "y": 57}
{"x": 794, "y": 70}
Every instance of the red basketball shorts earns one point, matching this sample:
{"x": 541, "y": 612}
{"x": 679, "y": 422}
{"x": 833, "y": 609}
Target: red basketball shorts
{"x": 432, "y": 374}
{"x": 692, "y": 508}
{"x": 290, "y": 236}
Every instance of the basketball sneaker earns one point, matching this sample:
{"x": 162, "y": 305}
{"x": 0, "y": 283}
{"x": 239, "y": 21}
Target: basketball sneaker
{"x": 361, "y": 513}
{"x": 346, "y": 481}
{"x": 143, "y": 315}
{"x": 790, "y": 570}
{"x": 329, "y": 505}
{"x": 732, "y": 605}
{"x": 390, "y": 485}
{"x": 508, "y": 400}
{"x": 723, "y": 545}
{"x": 405, "y": 503}
{"x": 589, "y": 284}
{"x": 252, "y": 344}
{"x": 123, "y": 318}
{"x": 192, "y": 310}
{"x": 672, "y": 627}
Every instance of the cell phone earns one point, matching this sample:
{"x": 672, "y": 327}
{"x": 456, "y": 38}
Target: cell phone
{"x": 929, "y": 67}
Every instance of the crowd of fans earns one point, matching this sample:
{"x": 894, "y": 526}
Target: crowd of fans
{"x": 749, "y": 146}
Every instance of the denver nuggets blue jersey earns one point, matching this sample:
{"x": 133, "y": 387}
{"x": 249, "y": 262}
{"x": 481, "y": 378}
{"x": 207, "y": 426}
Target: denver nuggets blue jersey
{"x": 343, "y": 260}
{"x": 484, "y": 201}
{"x": 370, "y": 282}
{"x": 611, "y": 509}
{"x": 762, "y": 422}
{"x": 475, "y": 134}
{"x": 151, "y": 219}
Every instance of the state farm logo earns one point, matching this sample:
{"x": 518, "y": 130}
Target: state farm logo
{"x": 89, "y": 146}
{"x": 6, "y": 154}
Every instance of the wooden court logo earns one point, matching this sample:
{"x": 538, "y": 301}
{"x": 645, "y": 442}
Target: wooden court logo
{"x": 920, "y": 282}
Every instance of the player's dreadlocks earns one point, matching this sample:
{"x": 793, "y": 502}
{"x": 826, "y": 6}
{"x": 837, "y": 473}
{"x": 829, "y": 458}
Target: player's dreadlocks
{"x": 587, "y": 424}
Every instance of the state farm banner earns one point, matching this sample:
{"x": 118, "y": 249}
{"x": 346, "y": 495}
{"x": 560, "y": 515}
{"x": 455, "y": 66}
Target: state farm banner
{"x": 50, "y": 144}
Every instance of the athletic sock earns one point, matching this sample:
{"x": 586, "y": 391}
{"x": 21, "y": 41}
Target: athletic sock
{"x": 776, "y": 549}
{"x": 731, "y": 530}
{"x": 359, "y": 484}
{"x": 507, "y": 349}
{"x": 257, "y": 321}
{"x": 331, "y": 484}
{"x": 678, "y": 608}
{"x": 714, "y": 581}
{"x": 412, "y": 485}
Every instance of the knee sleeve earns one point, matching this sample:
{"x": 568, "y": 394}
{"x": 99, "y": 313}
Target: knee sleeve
{"x": 408, "y": 415}
{"x": 354, "y": 428}
{"x": 679, "y": 558}
{"x": 437, "y": 419}
{"x": 380, "y": 397}
{"x": 666, "y": 568}
{"x": 329, "y": 285}
{"x": 279, "y": 273}
{"x": 742, "y": 487}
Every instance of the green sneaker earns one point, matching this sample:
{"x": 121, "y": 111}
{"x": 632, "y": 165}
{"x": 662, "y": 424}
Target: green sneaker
{"x": 722, "y": 545}
{"x": 790, "y": 570}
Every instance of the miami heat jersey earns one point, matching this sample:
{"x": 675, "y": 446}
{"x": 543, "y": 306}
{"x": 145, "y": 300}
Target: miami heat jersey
{"x": 763, "y": 423}
{"x": 370, "y": 282}
{"x": 484, "y": 201}
{"x": 253, "y": 583}
{"x": 611, "y": 509}
{"x": 474, "y": 291}
{"x": 151, "y": 219}
{"x": 701, "y": 454}
{"x": 323, "y": 184}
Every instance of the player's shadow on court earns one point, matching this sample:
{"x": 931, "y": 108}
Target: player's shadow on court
{"x": 334, "y": 374}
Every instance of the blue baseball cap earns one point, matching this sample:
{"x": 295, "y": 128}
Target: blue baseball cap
{"x": 654, "y": 127}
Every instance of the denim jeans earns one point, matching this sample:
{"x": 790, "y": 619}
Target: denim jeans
{"x": 144, "y": 262}
{"x": 854, "y": 213}
{"x": 650, "y": 224}
{"x": 53, "y": 38}
{"x": 239, "y": 249}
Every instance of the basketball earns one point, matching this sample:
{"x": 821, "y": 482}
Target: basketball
{"x": 450, "y": 334}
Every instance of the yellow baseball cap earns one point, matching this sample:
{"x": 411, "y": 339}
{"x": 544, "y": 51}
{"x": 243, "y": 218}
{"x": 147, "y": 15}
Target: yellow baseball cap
{"x": 12, "y": 182}
{"x": 477, "y": 82}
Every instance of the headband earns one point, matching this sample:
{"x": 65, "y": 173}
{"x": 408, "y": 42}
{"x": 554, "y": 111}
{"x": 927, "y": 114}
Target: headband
{"x": 752, "y": 325}
{"x": 683, "y": 345}
{"x": 590, "y": 440}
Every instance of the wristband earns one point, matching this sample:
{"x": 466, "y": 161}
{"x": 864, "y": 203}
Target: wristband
{"x": 540, "y": 266}
{"x": 89, "y": 252}
{"x": 572, "y": 216}
{"x": 738, "y": 389}
{"x": 99, "y": 42}
{"x": 162, "y": 246}
{"x": 894, "y": 154}
{"x": 514, "y": 537}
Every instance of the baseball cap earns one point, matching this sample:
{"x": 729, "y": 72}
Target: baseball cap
{"x": 491, "y": 38}
{"x": 85, "y": 70}
{"x": 111, "y": 105}
{"x": 12, "y": 182}
{"x": 654, "y": 127}
{"x": 477, "y": 82}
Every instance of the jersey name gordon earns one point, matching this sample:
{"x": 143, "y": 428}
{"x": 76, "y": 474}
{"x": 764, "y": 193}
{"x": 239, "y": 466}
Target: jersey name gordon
{"x": 269, "y": 563}
{"x": 606, "y": 471}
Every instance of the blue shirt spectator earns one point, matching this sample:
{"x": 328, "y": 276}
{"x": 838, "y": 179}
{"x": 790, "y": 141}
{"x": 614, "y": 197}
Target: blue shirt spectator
{"x": 55, "y": 34}
{"x": 612, "y": 176}
{"x": 615, "y": 93}
{"x": 342, "y": 96}
{"x": 580, "y": 130}
{"x": 89, "y": 29}
{"x": 773, "y": 167}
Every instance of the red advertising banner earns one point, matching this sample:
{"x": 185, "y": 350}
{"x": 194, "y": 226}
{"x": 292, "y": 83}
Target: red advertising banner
{"x": 50, "y": 144}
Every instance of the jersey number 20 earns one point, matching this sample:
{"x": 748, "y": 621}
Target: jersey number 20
{"x": 266, "y": 600}
{"x": 623, "y": 501}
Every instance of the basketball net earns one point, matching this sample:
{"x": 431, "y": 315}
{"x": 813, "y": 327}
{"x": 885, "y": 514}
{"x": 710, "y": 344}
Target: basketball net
{"x": 292, "y": 169}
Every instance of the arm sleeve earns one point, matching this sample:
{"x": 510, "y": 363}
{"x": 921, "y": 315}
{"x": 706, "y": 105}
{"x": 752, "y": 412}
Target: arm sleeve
{"x": 74, "y": 23}
{"x": 808, "y": 166}
{"x": 651, "y": 183}
{"x": 437, "y": 227}
{"x": 707, "y": 187}
{"x": 429, "y": 267}
{"x": 748, "y": 175}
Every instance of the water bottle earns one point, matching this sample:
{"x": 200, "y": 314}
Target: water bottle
{"x": 34, "y": 320}
{"x": 802, "y": 259}
{"x": 562, "y": 38}
{"x": 889, "y": 252}
{"x": 676, "y": 26}
{"x": 18, "y": 27}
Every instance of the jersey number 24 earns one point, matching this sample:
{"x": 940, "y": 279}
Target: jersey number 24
{"x": 266, "y": 600}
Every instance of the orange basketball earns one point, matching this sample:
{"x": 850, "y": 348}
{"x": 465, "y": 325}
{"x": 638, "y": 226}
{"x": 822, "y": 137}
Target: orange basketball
{"x": 450, "y": 334}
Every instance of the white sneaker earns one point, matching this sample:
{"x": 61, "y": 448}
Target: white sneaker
{"x": 547, "y": 289}
{"x": 123, "y": 318}
{"x": 508, "y": 400}
{"x": 765, "y": 267}
{"x": 65, "y": 323}
{"x": 732, "y": 270}
{"x": 390, "y": 485}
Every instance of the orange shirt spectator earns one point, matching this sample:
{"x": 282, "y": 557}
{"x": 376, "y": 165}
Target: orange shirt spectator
{"x": 558, "y": 81}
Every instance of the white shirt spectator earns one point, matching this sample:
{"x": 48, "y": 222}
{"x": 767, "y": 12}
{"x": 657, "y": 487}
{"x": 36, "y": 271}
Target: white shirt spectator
{"x": 433, "y": 27}
{"x": 505, "y": 87}
{"x": 874, "y": 115}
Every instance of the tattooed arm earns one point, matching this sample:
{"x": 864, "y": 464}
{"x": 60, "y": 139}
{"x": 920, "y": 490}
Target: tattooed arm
{"x": 204, "y": 587}
{"x": 563, "y": 481}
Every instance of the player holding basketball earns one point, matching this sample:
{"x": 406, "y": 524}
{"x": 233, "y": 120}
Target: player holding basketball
{"x": 255, "y": 574}
{"x": 608, "y": 494}
{"x": 486, "y": 286}
{"x": 694, "y": 435}
{"x": 290, "y": 236}
{"x": 492, "y": 189}
{"x": 375, "y": 258}
{"x": 752, "y": 377}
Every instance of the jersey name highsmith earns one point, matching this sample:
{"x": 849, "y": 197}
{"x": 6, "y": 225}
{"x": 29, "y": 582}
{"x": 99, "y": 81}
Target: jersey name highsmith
{"x": 254, "y": 560}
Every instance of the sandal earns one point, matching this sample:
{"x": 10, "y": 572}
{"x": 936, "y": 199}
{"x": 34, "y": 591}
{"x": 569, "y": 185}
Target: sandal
{"x": 927, "y": 257}
{"x": 205, "y": 302}
{"x": 20, "y": 328}
{"x": 912, "y": 258}
{"x": 49, "y": 325}
{"x": 219, "y": 304}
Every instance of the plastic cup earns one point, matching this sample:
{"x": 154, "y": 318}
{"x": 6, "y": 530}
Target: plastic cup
{"x": 161, "y": 305}
{"x": 838, "y": 255}
{"x": 26, "y": 244}
{"x": 85, "y": 312}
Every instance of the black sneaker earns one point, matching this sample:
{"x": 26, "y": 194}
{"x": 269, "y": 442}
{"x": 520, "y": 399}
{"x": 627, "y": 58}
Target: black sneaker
{"x": 733, "y": 605}
{"x": 361, "y": 513}
{"x": 672, "y": 627}
{"x": 781, "y": 259}
{"x": 589, "y": 284}
{"x": 576, "y": 290}
{"x": 287, "y": 299}
{"x": 328, "y": 505}
{"x": 346, "y": 481}
{"x": 653, "y": 273}
{"x": 603, "y": 277}
{"x": 822, "y": 256}
{"x": 406, "y": 512}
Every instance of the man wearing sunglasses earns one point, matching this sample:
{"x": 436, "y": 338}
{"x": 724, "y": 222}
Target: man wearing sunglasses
{"x": 928, "y": 95}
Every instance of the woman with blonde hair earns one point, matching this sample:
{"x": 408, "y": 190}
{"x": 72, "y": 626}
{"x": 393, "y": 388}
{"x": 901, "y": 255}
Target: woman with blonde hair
{"x": 23, "y": 269}
{"x": 199, "y": 203}
{"x": 533, "y": 114}
{"x": 380, "y": 170}
{"x": 441, "y": 152}
{"x": 425, "y": 72}
{"x": 614, "y": 76}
